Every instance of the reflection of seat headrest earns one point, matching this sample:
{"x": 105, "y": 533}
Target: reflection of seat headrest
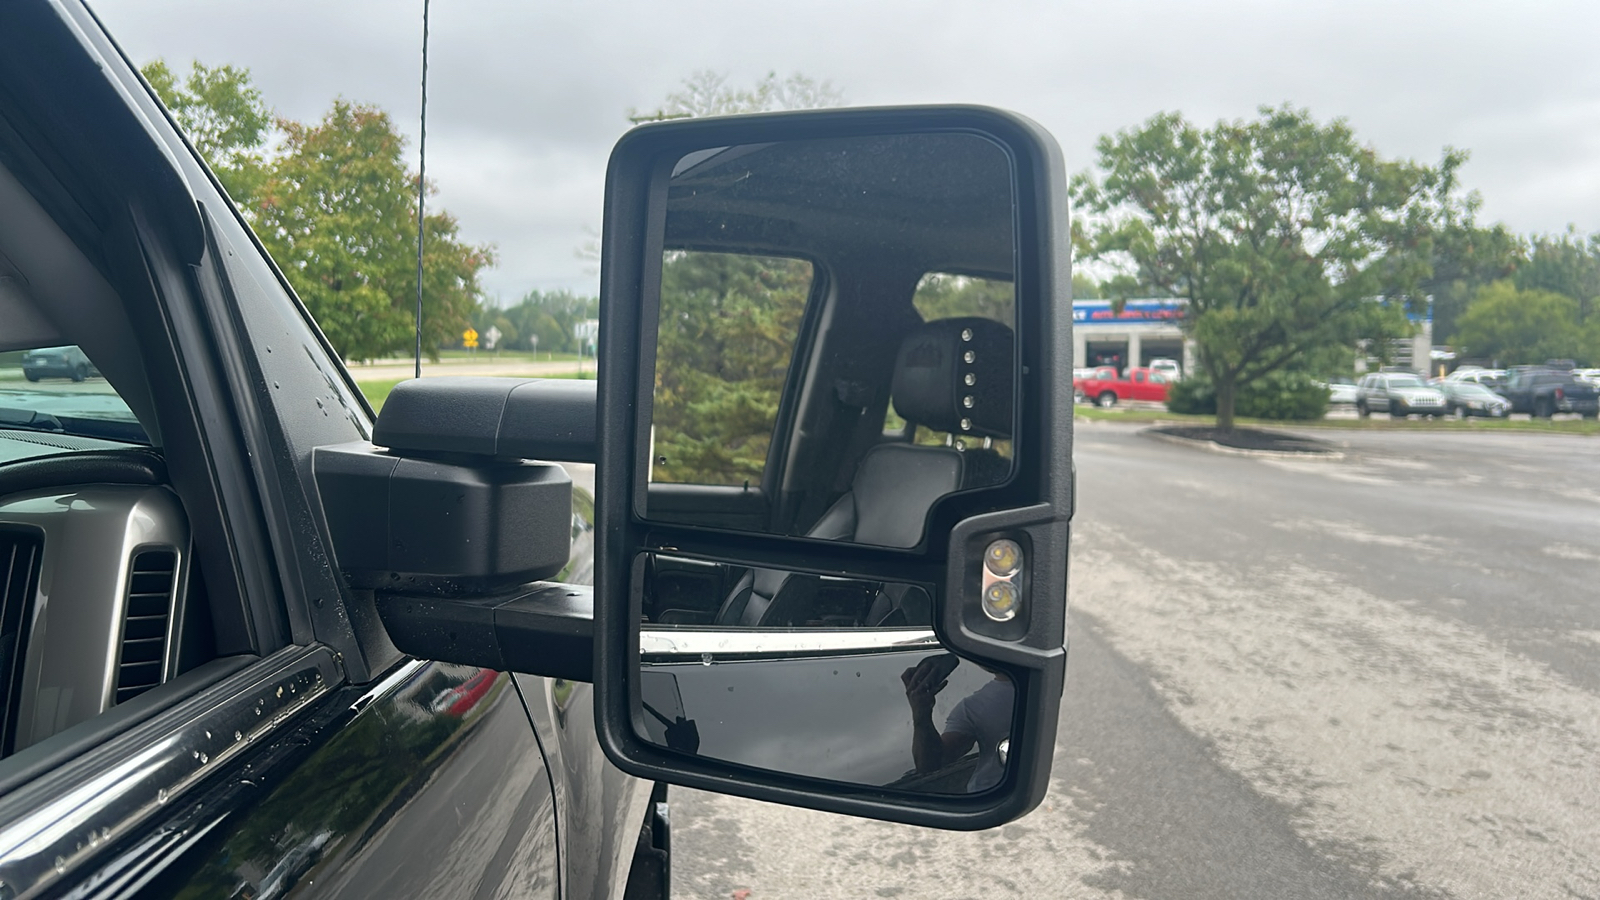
{"x": 951, "y": 371}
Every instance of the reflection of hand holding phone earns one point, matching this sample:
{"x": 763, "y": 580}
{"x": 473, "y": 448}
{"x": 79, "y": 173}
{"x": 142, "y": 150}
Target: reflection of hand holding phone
{"x": 926, "y": 679}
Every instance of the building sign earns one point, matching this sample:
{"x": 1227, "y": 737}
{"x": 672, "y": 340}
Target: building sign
{"x": 1101, "y": 312}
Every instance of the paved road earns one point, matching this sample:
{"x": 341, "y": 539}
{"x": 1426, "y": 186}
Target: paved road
{"x": 1367, "y": 678}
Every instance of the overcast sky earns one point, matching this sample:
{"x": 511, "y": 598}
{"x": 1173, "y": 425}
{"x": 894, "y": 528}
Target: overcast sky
{"x": 526, "y": 98}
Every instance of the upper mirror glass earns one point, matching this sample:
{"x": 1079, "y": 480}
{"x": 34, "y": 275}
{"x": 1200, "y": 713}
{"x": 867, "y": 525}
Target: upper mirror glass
{"x": 836, "y": 335}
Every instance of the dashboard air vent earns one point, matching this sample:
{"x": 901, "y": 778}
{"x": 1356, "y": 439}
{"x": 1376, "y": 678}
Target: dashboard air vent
{"x": 144, "y": 632}
{"x": 19, "y": 581}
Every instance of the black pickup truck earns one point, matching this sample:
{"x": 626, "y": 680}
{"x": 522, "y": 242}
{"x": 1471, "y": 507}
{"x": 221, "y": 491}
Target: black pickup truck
{"x": 256, "y": 641}
{"x": 1543, "y": 391}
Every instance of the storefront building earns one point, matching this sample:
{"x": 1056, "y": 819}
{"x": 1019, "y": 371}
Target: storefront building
{"x": 1142, "y": 330}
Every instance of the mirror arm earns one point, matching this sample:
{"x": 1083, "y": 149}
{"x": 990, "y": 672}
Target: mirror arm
{"x": 544, "y": 629}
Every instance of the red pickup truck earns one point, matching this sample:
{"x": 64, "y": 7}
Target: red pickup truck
{"x": 1107, "y": 389}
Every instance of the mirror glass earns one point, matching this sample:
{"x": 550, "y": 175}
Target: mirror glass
{"x": 836, "y": 335}
{"x": 818, "y": 676}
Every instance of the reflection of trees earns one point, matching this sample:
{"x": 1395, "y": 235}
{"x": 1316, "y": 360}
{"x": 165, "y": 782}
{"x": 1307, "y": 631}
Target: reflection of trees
{"x": 954, "y": 296}
{"x": 348, "y": 787}
{"x": 728, "y": 326}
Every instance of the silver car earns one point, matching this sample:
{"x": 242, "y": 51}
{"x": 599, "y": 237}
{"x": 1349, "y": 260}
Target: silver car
{"x": 1400, "y": 394}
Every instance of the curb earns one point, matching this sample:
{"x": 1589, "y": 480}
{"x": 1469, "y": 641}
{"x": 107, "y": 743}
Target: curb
{"x": 1214, "y": 447}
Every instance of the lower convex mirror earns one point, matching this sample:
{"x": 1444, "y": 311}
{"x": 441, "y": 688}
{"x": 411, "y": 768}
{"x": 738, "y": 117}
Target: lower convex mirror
{"x": 820, "y": 677}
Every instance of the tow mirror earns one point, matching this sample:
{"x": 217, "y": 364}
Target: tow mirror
{"x": 834, "y": 468}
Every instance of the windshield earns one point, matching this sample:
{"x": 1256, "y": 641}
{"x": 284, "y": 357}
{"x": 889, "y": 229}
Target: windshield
{"x": 59, "y": 390}
{"x": 1405, "y": 381}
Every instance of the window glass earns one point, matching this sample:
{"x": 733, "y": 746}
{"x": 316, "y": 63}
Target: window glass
{"x": 58, "y": 390}
{"x": 941, "y": 295}
{"x": 727, "y": 334}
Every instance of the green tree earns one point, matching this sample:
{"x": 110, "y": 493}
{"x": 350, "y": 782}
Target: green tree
{"x": 1284, "y": 235}
{"x": 1566, "y": 264}
{"x": 337, "y": 211}
{"x": 550, "y": 316}
{"x": 225, "y": 118}
{"x": 729, "y": 323}
{"x": 1525, "y": 327}
{"x": 1465, "y": 258}
{"x": 941, "y": 296}
{"x": 707, "y": 93}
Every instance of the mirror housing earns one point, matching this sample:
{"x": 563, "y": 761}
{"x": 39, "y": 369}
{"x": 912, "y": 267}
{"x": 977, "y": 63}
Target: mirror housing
{"x": 446, "y": 499}
{"x": 1030, "y": 510}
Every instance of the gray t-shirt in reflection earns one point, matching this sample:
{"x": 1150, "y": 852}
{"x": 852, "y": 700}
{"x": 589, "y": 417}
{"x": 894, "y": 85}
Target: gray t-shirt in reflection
{"x": 986, "y": 716}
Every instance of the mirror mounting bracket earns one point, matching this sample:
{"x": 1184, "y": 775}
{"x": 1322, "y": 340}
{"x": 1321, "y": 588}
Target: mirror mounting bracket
{"x": 544, "y": 629}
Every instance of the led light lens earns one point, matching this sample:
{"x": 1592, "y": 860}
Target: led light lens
{"x": 1000, "y": 600}
{"x": 1003, "y": 559}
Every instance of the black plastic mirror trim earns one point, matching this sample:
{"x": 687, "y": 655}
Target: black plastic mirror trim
{"x": 537, "y": 418}
{"x": 1042, "y": 468}
{"x": 445, "y": 526}
{"x": 544, "y": 629}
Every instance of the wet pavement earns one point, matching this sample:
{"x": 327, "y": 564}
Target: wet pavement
{"x": 1374, "y": 676}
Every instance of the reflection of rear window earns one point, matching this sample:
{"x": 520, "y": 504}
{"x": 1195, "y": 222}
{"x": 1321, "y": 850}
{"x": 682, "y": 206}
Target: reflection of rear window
{"x": 59, "y": 390}
{"x": 944, "y": 296}
{"x": 729, "y": 323}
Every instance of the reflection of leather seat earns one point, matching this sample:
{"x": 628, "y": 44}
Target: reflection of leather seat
{"x": 951, "y": 375}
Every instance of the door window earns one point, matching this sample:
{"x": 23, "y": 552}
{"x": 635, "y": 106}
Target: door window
{"x": 58, "y": 390}
{"x": 727, "y": 335}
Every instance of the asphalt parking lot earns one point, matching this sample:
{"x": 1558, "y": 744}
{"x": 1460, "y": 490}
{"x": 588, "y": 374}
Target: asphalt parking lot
{"x": 1375, "y": 676}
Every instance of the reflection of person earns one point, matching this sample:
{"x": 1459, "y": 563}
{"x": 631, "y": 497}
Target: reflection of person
{"x": 983, "y": 718}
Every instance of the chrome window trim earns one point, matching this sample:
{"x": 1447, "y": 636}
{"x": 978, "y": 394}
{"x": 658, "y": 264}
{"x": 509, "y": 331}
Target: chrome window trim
{"x": 58, "y": 822}
{"x": 672, "y": 643}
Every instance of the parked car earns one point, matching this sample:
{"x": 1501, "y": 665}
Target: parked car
{"x": 1542, "y": 392}
{"x": 1490, "y": 378}
{"x": 1469, "y": 398}
{"x": 57, "y": 362}
{"x": 1341, "y": 392}
{"x": 1168, "y": 367}
{"x": 1399, "y": 394}
{"x": 1139, "y": 384}
{"x": 1091, "y": 373}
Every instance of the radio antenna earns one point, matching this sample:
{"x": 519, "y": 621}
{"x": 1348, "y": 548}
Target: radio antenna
{"x": 422, "y": 181}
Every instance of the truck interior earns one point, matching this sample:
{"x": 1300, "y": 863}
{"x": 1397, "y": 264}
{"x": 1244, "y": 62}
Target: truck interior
{"x": 103, "y": 599}
{"x": 897, "y": 387}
